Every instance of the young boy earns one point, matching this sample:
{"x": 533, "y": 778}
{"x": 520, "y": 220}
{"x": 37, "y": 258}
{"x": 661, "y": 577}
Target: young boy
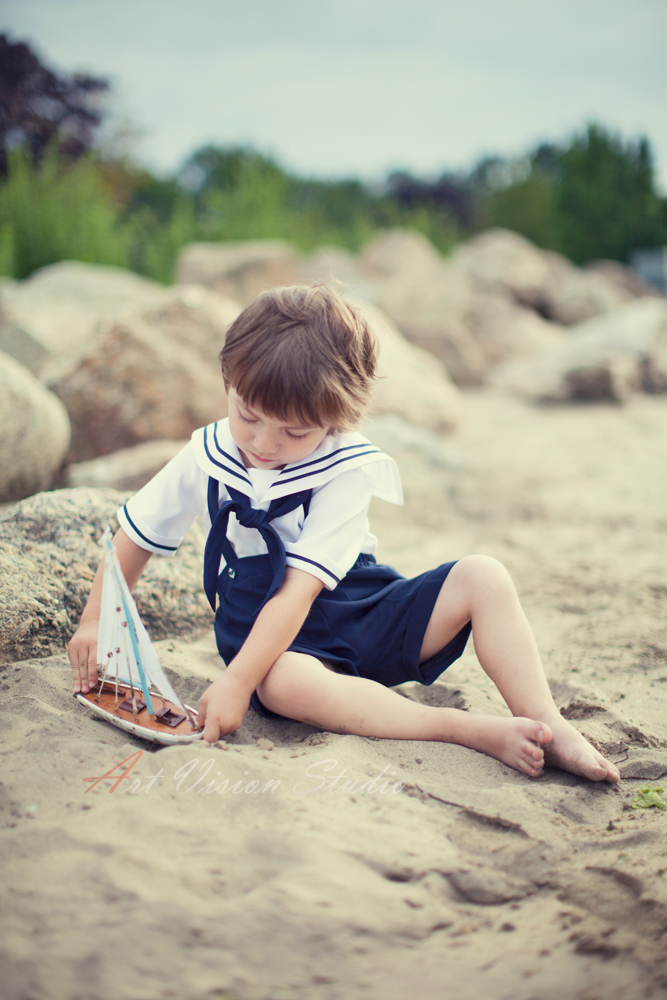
{"x": 310, "y": 627}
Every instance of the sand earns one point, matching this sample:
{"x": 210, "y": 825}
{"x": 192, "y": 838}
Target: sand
{"x": 245, "y": 871}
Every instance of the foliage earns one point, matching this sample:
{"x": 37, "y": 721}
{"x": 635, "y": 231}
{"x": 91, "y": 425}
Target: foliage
{"x": 606, "y": 197}
{"x": 594, "y": 198}
{"x": 55, "y": 212}
{"x": 37, "y": 106}
{"x": 648, "y": 797}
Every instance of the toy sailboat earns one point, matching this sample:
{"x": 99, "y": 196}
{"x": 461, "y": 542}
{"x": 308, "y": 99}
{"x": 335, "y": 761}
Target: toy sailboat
{"x": 132, "y": 691}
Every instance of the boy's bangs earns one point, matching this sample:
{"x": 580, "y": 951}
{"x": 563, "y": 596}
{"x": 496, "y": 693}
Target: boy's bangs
{"x": 283, "y": 391}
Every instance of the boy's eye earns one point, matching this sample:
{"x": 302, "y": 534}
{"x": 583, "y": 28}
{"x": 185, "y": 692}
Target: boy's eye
{"x": 297, "y": 437}
{"x": 246, "y": 420}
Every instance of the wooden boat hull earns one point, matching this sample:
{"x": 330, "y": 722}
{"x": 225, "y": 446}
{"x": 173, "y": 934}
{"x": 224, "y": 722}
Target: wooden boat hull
{"x": 147, "y": 727}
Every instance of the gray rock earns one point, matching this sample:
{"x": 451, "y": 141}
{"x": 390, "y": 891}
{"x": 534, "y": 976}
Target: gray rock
{"x": 572, "y": 295}
{"x": 505, "y": 330}
{"x": 500, "y": 261}
{"x": 413, "y": 384}
{"x": 58, "y": 308}
{"x": 127, "y": 469}
{"x": 335, "y": 265}
{"x": 606, "y": 358}
{"x": 35, "y": 432}
{"x": 239, "y": 270}
{"x": 623, "y": 276}
{"x": 48, "y": 556}
{"x": 430, "y": 300}
{"x": 136, "y": 384}
{"x": 195, "y": 317}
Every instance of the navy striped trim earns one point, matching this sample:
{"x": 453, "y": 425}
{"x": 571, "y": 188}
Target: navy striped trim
{"x": 222, "y": 450}
{"x": 156, "y": 545}
{"x": 317, "y": 472}
{"x": 220, "y": 465}
{"x": 293, "y": 555}
{"x": 325, "y": 458}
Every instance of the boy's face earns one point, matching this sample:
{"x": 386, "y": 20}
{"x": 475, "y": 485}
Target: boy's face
{"x": 266, "y": 442}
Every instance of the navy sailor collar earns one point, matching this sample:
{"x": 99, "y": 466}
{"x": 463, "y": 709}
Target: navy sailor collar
{"x": 217, "y": 454}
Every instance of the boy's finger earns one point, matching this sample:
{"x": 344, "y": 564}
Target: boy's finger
{"x": 212, "y": 731}
{"x": 92, "y": 667}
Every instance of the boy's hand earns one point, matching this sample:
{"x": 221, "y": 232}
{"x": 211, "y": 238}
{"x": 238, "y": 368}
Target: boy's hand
{"x": 82, "y": 652}
{"x": 223, "y": 707}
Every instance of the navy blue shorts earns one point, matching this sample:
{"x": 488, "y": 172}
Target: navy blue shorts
{"x": 372, "y": 625}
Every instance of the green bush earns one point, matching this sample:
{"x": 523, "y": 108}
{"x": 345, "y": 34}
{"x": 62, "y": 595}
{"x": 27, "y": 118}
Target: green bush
{"x": 55, "y": 212}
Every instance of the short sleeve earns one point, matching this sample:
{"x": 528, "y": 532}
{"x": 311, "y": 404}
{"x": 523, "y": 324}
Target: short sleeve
{"x": 160, "y": 514}
{"x": 335, "y": 528}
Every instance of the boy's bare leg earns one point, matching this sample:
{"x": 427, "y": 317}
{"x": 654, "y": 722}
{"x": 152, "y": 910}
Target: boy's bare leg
{"x": 301, "y": 688}
{"x": 479, "y": 589}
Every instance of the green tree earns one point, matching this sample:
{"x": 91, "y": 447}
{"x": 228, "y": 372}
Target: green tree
{"x": 606, "y": 199}
{"x": 55, "y": 212}
{"x": 528, "y": 206}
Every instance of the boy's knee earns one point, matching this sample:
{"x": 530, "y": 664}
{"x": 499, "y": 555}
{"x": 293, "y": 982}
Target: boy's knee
{"x": 278, "y": 680}
{"x": 485, "y": 570}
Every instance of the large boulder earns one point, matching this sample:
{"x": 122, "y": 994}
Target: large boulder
{"x": 412, "y": 383}
{"x": 58, "y": 308}
{"x": 572, "y": 295}
{"x": 623, "y": 276}
{"x": 499, "y": 260}
{"x": 504, "y": 329}
{"x": 127, "y": 469}
{"x": 35, "y": 432}
{"x": 195, "y": 317}
{"x": 49, "y": 552}
{"x": 430, "y": 300}
{"x": 605, "y": 358}
{"x": 136, "y": 384}
{"x": 239, "y": 270}
{"x": 336, "y": 266}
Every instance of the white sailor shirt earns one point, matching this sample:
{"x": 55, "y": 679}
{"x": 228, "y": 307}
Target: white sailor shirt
{"x": 344, "y": 472}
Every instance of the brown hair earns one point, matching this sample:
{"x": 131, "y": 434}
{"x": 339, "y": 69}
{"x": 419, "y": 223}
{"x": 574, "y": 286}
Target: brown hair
{"x": 302, "y": 352}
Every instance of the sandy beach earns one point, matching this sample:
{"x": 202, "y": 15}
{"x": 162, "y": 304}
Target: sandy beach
{"x": 286, "y": 863}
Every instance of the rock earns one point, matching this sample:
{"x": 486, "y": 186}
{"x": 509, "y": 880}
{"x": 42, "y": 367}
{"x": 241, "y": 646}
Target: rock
{"x": 392, "y": 434}
{"x": 623, "y": 276}
{"x": 35, "y": 432}
{"x": 127, "y": 469}
{"x": 58, "y": 308}
{"x": 412, "y": 383}
{"x": 504, "y": 329}
{"x": 502, "y": 261}
{"x": 195, "y": 317}
{"x": 572, "y": 295}
{"x": 606, "y": 358}
{"x": 238, "y": 270}
{"x": 135, "y": 384}
{"x": 428, "y": 298}
{"x": 333, "y": 265}
{"x": 48, "y": 557}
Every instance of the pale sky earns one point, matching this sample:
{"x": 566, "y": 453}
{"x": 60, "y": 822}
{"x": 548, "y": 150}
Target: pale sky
{"x": 360, "y": 87}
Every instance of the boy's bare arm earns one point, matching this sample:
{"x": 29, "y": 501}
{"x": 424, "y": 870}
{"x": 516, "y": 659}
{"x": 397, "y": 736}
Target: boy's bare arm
{"x": 82, "y": 649}
{"x": 224, "y": 704}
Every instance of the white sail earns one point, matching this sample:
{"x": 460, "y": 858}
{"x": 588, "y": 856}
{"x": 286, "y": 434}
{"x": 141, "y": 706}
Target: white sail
{"x": 124, "y": 649}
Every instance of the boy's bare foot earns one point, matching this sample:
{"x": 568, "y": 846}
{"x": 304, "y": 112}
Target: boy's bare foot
{"x": 512, "y": 741}
{"x": 570, "y": 751}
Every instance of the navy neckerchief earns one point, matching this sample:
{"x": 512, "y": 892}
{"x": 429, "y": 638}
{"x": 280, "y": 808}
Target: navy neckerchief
{"x": 218, "y": 544}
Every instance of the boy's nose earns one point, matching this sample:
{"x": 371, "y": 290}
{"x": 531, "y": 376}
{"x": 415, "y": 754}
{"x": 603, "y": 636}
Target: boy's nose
{"x": 266, "y": 443}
